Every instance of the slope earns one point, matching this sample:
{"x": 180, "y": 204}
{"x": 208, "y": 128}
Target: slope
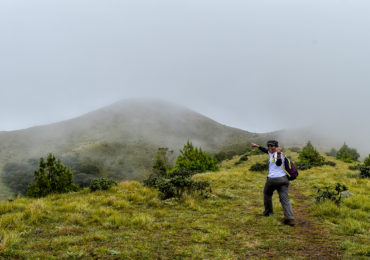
{"x": 118, "y": 141}
{"x": 130, "y": 222}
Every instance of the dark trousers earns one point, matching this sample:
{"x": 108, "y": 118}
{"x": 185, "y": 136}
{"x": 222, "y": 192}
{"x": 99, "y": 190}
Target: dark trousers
{"x": 281, "y": 184}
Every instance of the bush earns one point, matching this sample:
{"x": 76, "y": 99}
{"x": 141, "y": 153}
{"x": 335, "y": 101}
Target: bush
{"x": 176, "y": 183}
{"x": 331, "y": 193}
{"x": 195, "y": 160}
{"x": 310, "y": 155}
{"x": 330, "y": 163}
{"x": 367, "y": 161}
{"x": 242, "y": 159}
{"x": 162, "y": 163}
{"x": 173, "y": 183}
{"x": 259, "y": 167}
{"x": 303, "y": 166}
{"x": 365, "y": 171}
{"x": 347, "y": 154}
{"x": 51, "y": 177}
{"x": 354, "y": 167}
{"x": 102, "y": 184}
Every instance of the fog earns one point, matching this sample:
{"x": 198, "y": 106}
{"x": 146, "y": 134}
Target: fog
{"x": 256, "y": 65}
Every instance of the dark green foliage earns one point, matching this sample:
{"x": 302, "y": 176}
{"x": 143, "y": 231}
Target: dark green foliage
{"x": 310, "y": 155}
{"x": 162, "y": 163}
{"x": 173, "y": 183}
{"x": 367, "y": 161}
{"x": 354, "y": 167}
{"x": 332, "y": 153}
{"x": 51, "y": 177}
{"x": 195, "y": 159}
{"x": 347, "y": 154}
{"x": 331, "y": 193}
{"x": 330, "y": 163}
{"x": 242, "y": 159}
{"x": 102, "y": 184}
{"x": 365, "y": 171}
{"x": 160, "y": 169}
{"x": 176, "y": 186}
{"x": 176, "y": 183}
{"x": 303, "y": 166}
{"x": 295, "y": 149}
{"x": 259, "y": 167}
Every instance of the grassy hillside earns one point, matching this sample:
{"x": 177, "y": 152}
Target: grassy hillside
{"x": 118, "y": 141}
{"x": 130, "y": 222}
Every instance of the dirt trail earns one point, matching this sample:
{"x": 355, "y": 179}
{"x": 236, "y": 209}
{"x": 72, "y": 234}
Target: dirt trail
{"x": 313, "y": 239}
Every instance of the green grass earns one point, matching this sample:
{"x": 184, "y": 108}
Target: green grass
{"x": 130, "y": 222}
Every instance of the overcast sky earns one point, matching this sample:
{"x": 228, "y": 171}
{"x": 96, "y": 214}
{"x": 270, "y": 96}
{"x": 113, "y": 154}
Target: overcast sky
{"x": 256, "y": 65}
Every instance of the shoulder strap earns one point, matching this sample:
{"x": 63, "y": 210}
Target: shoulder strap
{"x": 290, "y": 166}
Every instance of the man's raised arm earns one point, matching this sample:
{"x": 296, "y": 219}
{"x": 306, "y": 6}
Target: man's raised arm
{"x": 263, "y": 149}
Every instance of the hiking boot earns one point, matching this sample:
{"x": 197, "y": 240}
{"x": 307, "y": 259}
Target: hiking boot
{"x": 289, "y": 222}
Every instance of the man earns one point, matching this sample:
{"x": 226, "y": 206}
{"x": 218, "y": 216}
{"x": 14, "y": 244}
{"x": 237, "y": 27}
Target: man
{"x": 276, "y": 180}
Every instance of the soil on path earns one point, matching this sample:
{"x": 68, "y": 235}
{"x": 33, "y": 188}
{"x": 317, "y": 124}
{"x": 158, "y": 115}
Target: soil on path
{"x": 314, "y": 241}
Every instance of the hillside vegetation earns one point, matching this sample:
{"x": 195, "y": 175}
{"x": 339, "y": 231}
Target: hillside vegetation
{"x": 129, "y": 221}
{"x": 118, "y": 141}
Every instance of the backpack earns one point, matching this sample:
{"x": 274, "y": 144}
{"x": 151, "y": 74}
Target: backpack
{"x": 290, "y": 169}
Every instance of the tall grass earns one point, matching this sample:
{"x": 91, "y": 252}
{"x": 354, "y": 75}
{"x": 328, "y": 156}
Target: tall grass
{"x": 129, "y": 221}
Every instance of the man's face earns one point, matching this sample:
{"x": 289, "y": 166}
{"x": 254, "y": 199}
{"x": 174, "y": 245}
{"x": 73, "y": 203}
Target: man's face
{"x": 271, "y": 148}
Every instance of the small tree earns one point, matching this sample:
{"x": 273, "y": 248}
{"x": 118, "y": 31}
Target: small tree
{"x": 51, "y": 177}
{"x": 310, "y": 155}
{"x": 195, "y": 159}
{"x": 367, "y": 161}
{"x": 347, "y": 154}
{"x": 162, "y": 163}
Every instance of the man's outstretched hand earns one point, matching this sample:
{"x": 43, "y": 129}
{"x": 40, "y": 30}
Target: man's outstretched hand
{"x": 255, "y": 145}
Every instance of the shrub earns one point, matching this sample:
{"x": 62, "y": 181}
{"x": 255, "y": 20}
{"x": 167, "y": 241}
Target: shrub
{"x": 51, "y": 177}
{"x": 259, "y": 167}
{"x": 310, "y": 155}
{"x": 102, "y": 184}
{"x": 303, "y": 166}
{"x": 331, "y": 193}
{"x": 178, "y": 182}
{"x": 173, "y": 183}
{"x": 330, "y": 163}
{"x": 242, "y": 159}
{"x": 347, "y": 154}
{"x": 162, "y": 163}
{"x": 354, "y": 167}
{"x": 367, "y": 161}
{"x": 365, "y": 171}
{"x": 195, "y": 160}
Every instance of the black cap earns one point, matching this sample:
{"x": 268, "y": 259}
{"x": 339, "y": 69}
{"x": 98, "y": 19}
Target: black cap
{"x": 272, "y": 143}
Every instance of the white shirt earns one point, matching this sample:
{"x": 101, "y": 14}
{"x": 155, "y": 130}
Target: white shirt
{"x": 274, "y": 170}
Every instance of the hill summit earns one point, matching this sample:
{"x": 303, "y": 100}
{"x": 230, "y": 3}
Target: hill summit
{"x": 117, "y": 141}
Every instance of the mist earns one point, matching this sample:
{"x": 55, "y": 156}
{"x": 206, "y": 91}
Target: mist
{"x": 260, "y": 65}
